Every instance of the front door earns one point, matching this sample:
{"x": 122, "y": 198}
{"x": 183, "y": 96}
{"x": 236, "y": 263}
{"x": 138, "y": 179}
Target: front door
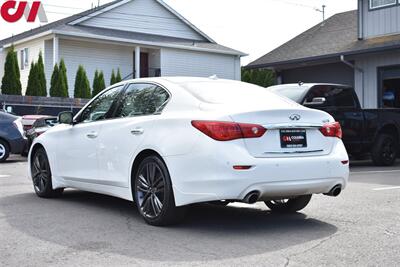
{"x": 77, "y": 155}
{"x": 144, "y": 65}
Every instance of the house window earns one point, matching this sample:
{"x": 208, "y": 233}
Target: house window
{"x": 24, "y": 58}
{"x": 373, "y": 4}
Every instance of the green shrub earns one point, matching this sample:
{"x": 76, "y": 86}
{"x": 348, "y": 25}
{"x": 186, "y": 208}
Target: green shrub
{"x": 82, "y": 85}
{"x": 11, "y": 84}
{"x": 41, "y": 76}
{"x": 33, "y": 88}
{"x": 113, "y": 78}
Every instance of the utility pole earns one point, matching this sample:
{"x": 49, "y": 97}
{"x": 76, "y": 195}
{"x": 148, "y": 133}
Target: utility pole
{"x": 322, "y": 11}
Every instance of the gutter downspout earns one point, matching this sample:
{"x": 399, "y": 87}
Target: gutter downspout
{"x": 351, "y": 65}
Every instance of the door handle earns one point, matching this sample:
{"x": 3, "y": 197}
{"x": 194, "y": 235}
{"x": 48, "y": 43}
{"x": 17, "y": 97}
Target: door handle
{"x": 92, "y": 135}
{"x": 137, "y": 131}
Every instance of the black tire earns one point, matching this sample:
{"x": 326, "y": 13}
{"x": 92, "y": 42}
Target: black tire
{"x": 289, "y": 205}
{"x": 41, "y": 176}
{"x": 152, "y": 187}
{"x": 384, "y": 152}
{"x": 4, "y": 151}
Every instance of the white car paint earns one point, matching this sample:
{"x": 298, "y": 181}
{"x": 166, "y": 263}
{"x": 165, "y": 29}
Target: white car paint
{"x": 200, "y": 167}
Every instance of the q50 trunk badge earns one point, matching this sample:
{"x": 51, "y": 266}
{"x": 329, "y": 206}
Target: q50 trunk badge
{"x": 295, "y": 117}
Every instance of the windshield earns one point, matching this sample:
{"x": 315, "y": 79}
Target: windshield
{"x": 294, "y": 93}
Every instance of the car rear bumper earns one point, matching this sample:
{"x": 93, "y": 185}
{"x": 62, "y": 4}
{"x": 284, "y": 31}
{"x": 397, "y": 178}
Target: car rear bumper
{"x": 202, "y": 177}
{"x": 18, "y": 146}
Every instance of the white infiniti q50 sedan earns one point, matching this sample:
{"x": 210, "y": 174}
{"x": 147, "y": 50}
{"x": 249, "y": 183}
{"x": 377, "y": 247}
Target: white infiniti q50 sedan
{"x": 165, "y": 143}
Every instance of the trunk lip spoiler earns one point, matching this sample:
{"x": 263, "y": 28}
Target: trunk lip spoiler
{"x": 292, "y": 152}
{"x": 292, "y": 125}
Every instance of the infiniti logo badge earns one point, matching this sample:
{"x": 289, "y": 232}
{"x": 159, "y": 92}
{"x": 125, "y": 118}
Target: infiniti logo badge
{"x": 295, "y": 117}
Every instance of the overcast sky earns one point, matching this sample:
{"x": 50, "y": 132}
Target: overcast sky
{"x": 251, "y": 26}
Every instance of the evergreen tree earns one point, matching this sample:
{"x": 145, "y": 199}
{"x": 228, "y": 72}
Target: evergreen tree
{"x": 113, "y": 78}
{"x": 11, "y": 84}
{"x": 42, "y": 89}
{"x": 33, "y": 88}
{"x": 102, "y": 82}
{"x": 95, "y": 85}
{"x": 82, "y": 85}
{"x": 118, "y": 78}
{"x": 54, "y": 92}
{"x": 63, "y": 69}
{"x": 246, "y": 76}
{"x": 99, "y": 83}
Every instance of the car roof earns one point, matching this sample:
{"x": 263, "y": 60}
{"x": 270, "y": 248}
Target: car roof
{"x": 308, "y": 85}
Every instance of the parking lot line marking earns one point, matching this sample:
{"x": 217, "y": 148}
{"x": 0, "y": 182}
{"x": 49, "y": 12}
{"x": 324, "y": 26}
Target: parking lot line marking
{"x": 386, "y": 188}
{"x": 4, "y": 175}
{"x": 388, "y": 171}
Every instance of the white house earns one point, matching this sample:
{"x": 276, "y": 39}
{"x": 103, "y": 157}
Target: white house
{"x": 144, "y": 38}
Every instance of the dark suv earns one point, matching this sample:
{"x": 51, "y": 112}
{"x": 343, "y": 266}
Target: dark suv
{"x": 12, "y": 140}
{"x": 365, "y": 131}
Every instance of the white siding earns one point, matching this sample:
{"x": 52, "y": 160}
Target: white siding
{"x": 189, "y": 63}
{"x": 381, "y": 21}
{"x": 34, "y": 47}
{"x": 144, "y": 16}
{"x": 370, "y": 65}
{"x": 92, "y": 56}
{"x": 48, "y": 61}
{"x": 3, "y": 54}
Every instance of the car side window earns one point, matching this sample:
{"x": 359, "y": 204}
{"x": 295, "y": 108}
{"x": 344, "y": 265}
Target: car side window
{"x": 100, "y": 107}
{"x": 335, "y": 96}
{"x": 142, "y": 99}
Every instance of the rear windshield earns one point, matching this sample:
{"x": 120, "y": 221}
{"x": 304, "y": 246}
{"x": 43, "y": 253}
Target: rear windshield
{"x": 226, "y": 92}
{"x": 294, "y": 93}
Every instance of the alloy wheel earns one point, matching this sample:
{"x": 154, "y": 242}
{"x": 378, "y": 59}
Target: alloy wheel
{"x": 2, "y": 151}
{"x": 40, "y": 173}
{"x": 388, "y": 151}
{"x": 150, "y": 190}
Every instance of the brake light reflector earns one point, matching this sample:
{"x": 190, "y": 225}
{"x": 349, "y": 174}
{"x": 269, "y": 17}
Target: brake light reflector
{"x": 227, "y": 131}
{"x": 332, "y": 129}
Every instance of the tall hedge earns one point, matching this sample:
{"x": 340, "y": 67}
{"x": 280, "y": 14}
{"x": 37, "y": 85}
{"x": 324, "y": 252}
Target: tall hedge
{"x": 64, "y": 77}
{"x": 33, "y": 88}
{"x": 11, "y": 83}
{"x": 82, "y": 85}
{"x": 54, "y": 92}
{"x": 58, "y": 84}
{"x": 113, "y": 78}
{"x": 98, "y": 83}
{"x": 118, "y": 78}
{"x": 41, "y": 76}
{"x": 264, "y": 78}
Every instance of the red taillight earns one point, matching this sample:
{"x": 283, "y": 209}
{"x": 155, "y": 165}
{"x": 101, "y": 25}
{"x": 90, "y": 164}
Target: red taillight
{"x": 227, "y": 131}
{"x": 332, "y": 129}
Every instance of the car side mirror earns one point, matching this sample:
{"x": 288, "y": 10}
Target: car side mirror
{"x": 66, "y": 117}
{"x": 316, "y": 101}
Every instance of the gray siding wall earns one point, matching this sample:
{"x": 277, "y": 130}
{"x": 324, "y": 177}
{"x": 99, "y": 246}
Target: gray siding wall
{"x": 370, "y": 65}
{"x": 328, "y": 73}
{"x": 92, "y": 56}
{"x": 176, "y": 62}
{"x": 144, "y": 16}
{"x": 381, "y": 21}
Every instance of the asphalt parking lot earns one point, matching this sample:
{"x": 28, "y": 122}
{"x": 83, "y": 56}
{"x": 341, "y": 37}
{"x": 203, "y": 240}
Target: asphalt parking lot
{"x": 359, "y": 228}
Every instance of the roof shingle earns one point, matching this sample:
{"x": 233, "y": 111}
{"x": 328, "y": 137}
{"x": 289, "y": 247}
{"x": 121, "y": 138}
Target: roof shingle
{"x": 336, "y": 36}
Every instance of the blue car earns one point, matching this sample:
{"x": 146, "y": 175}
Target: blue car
{"x": 12, "y": 140}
